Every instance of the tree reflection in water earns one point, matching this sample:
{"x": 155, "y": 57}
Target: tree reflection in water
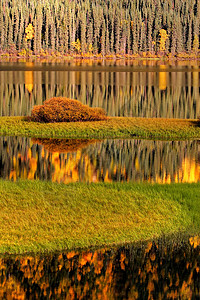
{"x": 138, "y": 91}
{"x": 155, "y": 270}
{"x": 62, "y": 160}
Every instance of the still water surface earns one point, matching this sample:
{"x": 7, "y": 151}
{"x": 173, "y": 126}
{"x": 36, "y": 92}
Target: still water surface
{"x": 155, "y": 270}
{"x": 62, "y": 160}
{"x": 122, "y": 88}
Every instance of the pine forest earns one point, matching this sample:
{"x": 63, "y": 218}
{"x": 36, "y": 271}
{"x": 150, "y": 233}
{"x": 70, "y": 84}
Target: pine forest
{"x": 100, "y": 27}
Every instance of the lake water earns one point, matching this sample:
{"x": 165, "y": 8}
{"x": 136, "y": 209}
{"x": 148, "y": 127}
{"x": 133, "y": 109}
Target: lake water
{"x": 122, "y": 88}
{"x": 168, "y": 268}
{"x": 64, "y": 160}
{"x": 164, "y": 269}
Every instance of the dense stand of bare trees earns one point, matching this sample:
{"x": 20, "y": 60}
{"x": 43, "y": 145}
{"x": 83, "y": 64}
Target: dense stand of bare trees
{"x": 101, "y": 26}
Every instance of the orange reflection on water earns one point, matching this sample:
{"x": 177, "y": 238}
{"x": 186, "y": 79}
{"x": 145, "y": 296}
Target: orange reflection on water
{"x": 189, "y": 172}
{"x": 67, "y": 172}
{"x": 29, "y": 77}
{"x": 109, "y": 161}
{"x": 162, "y": 78}
{"x": 160, "y": 270}
{"x": 195, "y": 241}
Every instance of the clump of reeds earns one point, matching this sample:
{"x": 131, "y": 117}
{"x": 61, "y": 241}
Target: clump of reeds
{"x": 61, "y": 109}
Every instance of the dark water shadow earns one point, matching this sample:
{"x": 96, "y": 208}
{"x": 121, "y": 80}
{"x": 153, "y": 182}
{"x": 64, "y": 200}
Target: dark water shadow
{"x": 161, "y": 269}
{"x": 94, "y": 68}
{"x": 196, "y": 123}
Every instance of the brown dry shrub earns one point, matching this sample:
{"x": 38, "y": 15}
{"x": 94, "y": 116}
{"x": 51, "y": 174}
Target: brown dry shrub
{"x": 63, "y": 145}
{"x": 61, "y": 109}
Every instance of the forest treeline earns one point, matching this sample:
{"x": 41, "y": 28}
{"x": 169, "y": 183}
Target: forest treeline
{"x": 106, "y": 27}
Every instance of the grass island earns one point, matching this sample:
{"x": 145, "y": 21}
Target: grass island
{"x": 112, "y": 127}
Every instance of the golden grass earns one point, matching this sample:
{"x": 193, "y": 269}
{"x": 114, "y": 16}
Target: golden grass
{"x": 115, "y": 127}
{"x": 39, "y": 216}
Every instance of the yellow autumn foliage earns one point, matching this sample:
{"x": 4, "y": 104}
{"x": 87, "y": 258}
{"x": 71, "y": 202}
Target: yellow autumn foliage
{"x": 29, "y": 32}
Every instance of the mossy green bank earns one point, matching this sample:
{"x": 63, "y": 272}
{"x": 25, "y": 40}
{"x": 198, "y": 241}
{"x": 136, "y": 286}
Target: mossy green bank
{"x": 113, "y": 127}
{"x": 44, "y": 216}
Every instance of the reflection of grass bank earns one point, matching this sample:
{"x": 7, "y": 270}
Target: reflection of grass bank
{"x": 38, "y": 216}
{"x": 116, "y": 127}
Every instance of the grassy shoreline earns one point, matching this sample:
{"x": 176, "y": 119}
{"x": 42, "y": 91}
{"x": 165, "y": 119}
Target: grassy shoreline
{"x": 113, "y": 127}
{"x": 39, "y": 216}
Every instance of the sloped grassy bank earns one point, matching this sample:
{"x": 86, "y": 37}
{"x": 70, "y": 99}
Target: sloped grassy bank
{"x": 44, "y": 216}
{"x": 114, "y": 127}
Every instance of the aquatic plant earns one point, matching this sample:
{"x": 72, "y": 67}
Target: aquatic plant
{"x": 61, "y": 109}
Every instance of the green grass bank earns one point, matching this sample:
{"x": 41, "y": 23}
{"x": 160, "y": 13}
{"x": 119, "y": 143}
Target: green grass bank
{"x": 37, "y": 216}
{"x": 115, "y": 127}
